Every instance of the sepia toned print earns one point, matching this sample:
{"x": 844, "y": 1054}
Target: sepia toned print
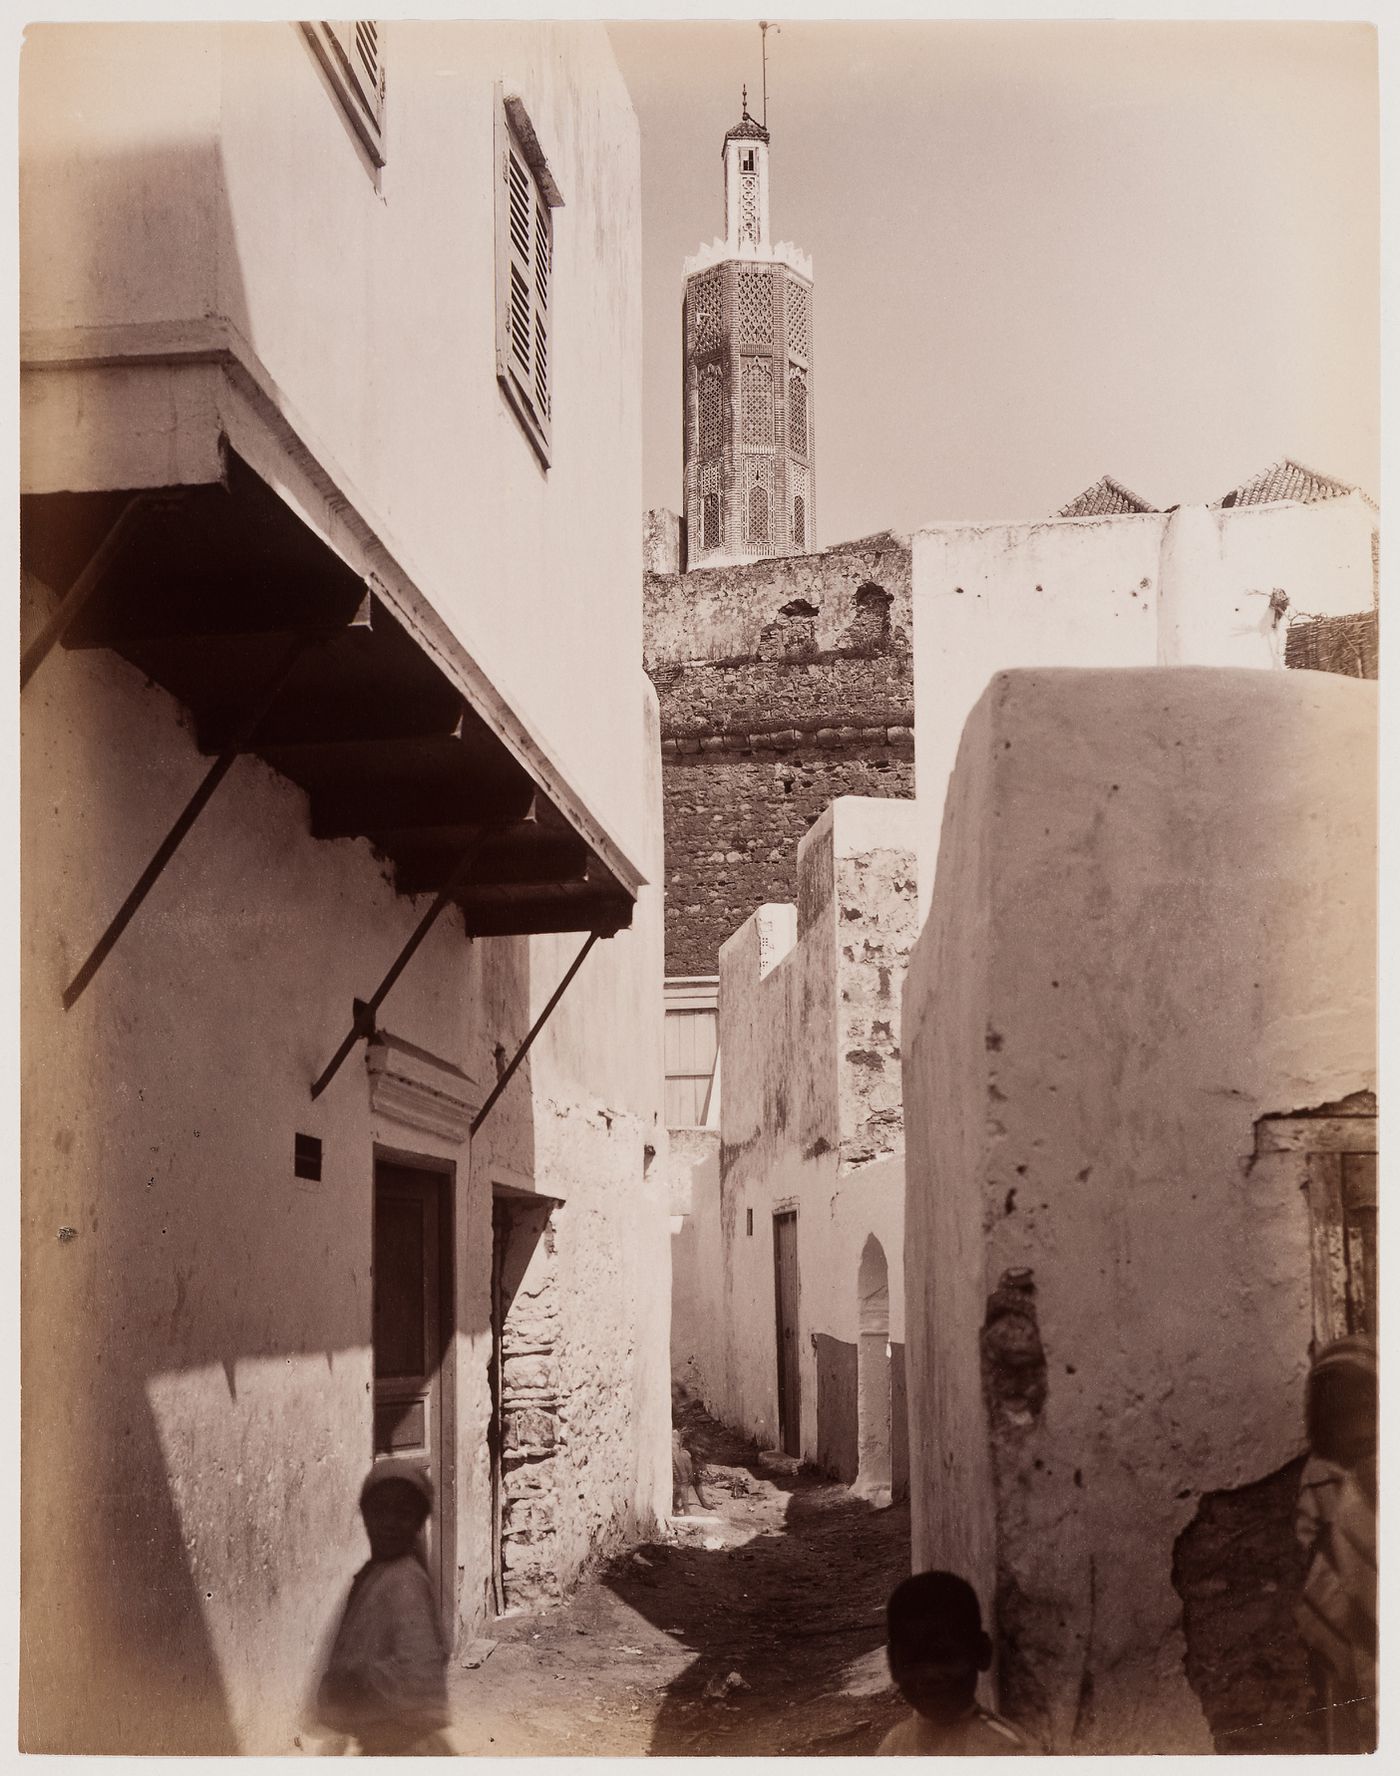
{"x": 698, "y": 715}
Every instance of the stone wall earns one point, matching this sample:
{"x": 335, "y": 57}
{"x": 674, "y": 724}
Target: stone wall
{"x": 1152, "y": 931}
{"x": 733, "y": 823}
{"x": 720, "y": 613}
{"x": 530, "y": 1398}
{"x": 783, "y": 685}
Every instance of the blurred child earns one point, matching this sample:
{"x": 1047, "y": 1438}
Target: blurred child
{"x": 685, "y": 1478}
{"x": 937, "y": 1649}
{"x": 385, "y": 1682}
{"x": 1336, "y": 1525}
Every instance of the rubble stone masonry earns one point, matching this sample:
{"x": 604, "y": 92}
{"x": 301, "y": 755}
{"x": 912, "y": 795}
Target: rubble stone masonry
{"x": 783, "y": 685}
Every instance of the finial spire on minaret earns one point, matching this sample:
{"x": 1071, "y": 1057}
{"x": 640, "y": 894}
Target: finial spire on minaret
{"x": 744, "y": 98}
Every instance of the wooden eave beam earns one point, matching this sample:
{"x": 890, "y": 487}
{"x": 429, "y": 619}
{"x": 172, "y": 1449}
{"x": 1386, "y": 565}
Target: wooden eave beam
{"x": 607, "y": 915}
{"x": 519, "y": 866}
{"x": 347, "y": 810}
{"x": 227, "y": 637}
{"x": 326, "y": 716}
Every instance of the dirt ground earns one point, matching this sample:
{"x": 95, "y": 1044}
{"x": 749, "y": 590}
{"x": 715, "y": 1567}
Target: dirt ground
{"x": 753, "y": 1629}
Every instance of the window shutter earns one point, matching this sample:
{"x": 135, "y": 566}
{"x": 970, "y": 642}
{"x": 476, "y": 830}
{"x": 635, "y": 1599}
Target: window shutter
{"x": 543, "y": 260}
{"x": 366, "y": 55}
{"x": 525, "y": 250}
{"x": 348, "y": 50}
{"x": 518, "y": 198}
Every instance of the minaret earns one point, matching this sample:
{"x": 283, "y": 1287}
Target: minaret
{"x": 750, "y": 487}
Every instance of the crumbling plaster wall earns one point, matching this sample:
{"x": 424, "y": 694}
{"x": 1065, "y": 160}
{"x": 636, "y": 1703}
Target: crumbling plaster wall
{"x": 1153, "y": 923}
{"x": 810, "y": 1113}
{"x": 582, "y": 1124}
{"x": 720, "y": 613}
{"x": 200, "y": 1348}
{"x": 1189, "y": 587}
{"x": 662, "y": 541}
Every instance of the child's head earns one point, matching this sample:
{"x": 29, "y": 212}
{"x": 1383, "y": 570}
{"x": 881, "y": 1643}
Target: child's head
{"x": 395, "y": 1502}
{"x": 1341, "y": 1401}
{"x": 936, "y": 1644}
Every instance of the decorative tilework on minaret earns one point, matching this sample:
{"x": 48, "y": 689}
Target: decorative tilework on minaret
{"x": 750, "y": 486}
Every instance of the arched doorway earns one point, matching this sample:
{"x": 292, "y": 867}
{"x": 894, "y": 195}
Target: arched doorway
{"x": 873, "y": 1395}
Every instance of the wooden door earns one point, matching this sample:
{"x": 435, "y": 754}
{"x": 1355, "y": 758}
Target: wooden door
{"x": 412, "y": 1304}
{"x": 785, "y": 1293}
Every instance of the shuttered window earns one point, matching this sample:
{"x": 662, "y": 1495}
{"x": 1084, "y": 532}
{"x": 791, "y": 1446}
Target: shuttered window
{"x": 527, "y": 200}
{"x": 348, "y": 50}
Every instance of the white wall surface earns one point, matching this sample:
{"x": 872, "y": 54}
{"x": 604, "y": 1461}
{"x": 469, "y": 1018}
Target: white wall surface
{"x": 699, "y": 1348}
{"x": 197, "y": 1359}
{"x": 183, "y": 187}
{"x": 179, "y": 177}
{"x": 1153, "y": 924}
{"x": 1189, "y": 587}
{"x": 809, "y": 1049}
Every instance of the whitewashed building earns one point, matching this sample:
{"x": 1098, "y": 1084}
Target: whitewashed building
{"x": 1106, "y": 583}
{"x": 788, "y": 1314}
{"x": 337, "y": 750}
{"x": 1140, "y": 1108}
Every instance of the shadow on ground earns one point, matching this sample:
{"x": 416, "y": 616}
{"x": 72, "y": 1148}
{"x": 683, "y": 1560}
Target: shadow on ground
{"x": 778, "y": 1594}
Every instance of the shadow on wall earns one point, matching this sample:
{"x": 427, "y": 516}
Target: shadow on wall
{"x": 168, "y": 1286}
{"x": 108, "y": 1594}
{"x": 197, "y": 1323}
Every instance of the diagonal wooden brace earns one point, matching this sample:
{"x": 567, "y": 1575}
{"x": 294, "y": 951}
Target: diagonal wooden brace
{"x": 362, "y": 1023}
{"x": 535, "y": 1029}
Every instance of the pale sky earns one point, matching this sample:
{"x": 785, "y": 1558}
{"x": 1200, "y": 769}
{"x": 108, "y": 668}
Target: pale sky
{"x": 1043, "y": 252}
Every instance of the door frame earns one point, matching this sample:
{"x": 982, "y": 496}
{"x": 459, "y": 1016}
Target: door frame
{"x": 444, "y": 1171}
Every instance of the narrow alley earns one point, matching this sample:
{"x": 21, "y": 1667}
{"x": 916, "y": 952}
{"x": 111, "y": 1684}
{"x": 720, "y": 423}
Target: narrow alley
{"x": 606, "y": 854}
{"x": 755, "y": 1628}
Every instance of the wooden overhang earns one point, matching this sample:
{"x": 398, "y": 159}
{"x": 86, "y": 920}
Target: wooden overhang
{"x": 216, "y": 592}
